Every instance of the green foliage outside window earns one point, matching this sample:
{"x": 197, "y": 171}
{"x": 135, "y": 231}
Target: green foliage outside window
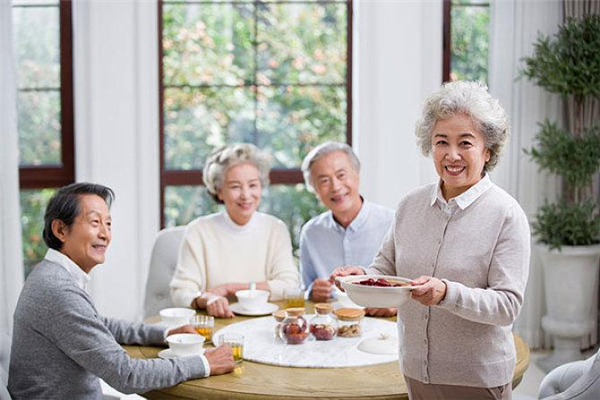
{"x": 33, "y": 207}
{"x": 470, "y": 42}
{"x": 268, "y": 73}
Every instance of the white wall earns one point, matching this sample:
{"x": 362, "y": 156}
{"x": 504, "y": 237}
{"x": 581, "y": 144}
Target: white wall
{"x": 116, "y": 117}
{"x": 397, "y": 63}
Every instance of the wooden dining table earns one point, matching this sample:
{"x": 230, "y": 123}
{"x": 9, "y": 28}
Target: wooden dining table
{"x": 260, "y": 381}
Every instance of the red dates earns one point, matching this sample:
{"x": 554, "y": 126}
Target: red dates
{"x": 380, "y": 282}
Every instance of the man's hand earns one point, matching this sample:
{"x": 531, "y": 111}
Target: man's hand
{"x": 345, "y": 271}
{"x": 220, "y": 360}
{"x": 428, "y": 291}
{"x": 182, "y": 329}
{"x": 321, "y": 290}
{"x": 381, "y": 312}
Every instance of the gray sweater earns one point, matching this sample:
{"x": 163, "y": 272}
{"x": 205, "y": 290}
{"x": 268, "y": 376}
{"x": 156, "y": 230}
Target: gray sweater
{"x": 61, "y": 345}
{"x": 482, "y": 254}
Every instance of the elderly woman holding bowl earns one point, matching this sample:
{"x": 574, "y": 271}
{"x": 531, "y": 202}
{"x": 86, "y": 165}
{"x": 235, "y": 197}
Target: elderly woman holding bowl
{"x": 239, "y": 248}
{"x": 465, "y": 244}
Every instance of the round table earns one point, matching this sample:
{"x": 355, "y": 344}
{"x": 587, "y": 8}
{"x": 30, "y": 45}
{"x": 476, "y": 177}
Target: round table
{"x": 260, "y": 381}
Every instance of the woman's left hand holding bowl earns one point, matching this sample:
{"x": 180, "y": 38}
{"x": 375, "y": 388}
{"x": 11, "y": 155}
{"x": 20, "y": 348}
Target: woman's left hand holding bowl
{"x": 345, "y": 271}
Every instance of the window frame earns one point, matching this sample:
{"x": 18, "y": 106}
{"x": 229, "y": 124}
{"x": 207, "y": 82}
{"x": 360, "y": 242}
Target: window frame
{"x": 288, "y": 176}
{"x": 49, "y": 176}
{"x": 447, "y": 36}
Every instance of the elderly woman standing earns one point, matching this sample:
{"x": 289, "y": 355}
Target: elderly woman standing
{"x": 466, "y": 244}
{"x": 236, "y": 249}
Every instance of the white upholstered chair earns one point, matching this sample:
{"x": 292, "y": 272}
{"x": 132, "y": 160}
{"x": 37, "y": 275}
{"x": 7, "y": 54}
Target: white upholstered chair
{"x": 4, "y": 395}
{"x": 578, "y": 380}
{"x": 162, "y": 266}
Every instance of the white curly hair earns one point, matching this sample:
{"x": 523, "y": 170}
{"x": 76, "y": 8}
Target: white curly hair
{"x": 474, "y": 100}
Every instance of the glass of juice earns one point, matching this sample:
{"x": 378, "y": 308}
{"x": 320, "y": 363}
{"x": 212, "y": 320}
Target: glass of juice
{"x": 293, "y": 297}
{"x": 204, "y": 325}
{"x": 236, "y": 342}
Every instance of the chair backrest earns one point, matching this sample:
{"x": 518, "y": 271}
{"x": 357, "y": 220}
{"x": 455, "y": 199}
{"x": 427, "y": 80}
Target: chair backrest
{"x": 162, "y": 265}
{"x": 4, "y": 395}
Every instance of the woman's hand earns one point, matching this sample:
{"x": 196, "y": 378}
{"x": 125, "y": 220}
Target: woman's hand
{"x": 214, "y": 304}
{"x": 428, "y": 291}
{"x": 225, "y": 289}
{"x": 345, "y": 271}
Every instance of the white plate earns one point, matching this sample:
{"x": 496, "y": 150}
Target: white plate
{"x": 167, "y": 353}
{"x": 267, "y": 309}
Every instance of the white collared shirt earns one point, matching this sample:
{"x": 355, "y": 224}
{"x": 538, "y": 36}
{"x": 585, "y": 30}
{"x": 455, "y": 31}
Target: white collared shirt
{"x": 81, "y": 277}
{"x": 464, "y": 200}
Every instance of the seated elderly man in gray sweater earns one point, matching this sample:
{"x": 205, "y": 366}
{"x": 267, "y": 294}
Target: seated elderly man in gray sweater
{"x": 61, "y": 346}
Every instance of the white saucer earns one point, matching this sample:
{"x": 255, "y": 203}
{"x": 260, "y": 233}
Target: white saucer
{"x": 267, "y": 309}
{"x": 167, "y": 353}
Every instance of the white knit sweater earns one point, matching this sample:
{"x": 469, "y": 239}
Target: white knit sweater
{"x": 216, "y": 250}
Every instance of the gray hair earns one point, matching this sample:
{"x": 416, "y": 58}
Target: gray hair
{"x": 322, "y": 150}
{"x": 218, "y": 163}
{"x": 474, "y": 100}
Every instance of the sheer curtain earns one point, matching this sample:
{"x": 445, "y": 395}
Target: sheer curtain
{"x": 11, "y": 263}
{"x": 515, "y": 25}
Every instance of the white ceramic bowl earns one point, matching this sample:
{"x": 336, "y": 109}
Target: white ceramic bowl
{"x": 376, "y": 296}
{"x": 186, "y": 344}
{"x": 252, "y": 299}
{"x": 176, "y": 316}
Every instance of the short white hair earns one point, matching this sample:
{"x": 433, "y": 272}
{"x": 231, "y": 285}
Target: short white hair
{"x": 474, "y": 100}
{"x": 322, "y": 150}
{"x": 222, "y": 159}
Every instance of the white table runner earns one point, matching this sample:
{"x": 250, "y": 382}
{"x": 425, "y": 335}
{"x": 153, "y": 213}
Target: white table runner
{"x": 260, "y": 345}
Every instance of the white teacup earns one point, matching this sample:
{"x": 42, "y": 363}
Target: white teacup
{"x": 186, "y": 344}
{"x": 176, "y": 316}
{"x": 252, "y": 299}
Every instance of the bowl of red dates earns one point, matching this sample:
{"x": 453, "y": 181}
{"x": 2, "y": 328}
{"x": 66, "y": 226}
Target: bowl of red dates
{"x": 379, "y": 291}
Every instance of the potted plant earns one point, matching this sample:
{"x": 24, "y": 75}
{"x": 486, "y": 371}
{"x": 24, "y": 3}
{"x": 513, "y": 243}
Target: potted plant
{"x": 568, "y": 64}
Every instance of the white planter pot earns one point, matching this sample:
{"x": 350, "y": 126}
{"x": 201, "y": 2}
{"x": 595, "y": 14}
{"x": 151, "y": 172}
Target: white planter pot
{"x": 570, "y": 276}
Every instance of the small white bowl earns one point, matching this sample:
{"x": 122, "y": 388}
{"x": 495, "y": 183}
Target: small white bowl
{"x": 176, "y": 316}
{"x": 376, "y": 296}
{"x": 186, "y": 344}
{"x": 252, "y": 299}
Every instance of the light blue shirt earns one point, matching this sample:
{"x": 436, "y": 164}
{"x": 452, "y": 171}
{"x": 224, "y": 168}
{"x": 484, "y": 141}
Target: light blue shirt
{"x": 326, "y": 245}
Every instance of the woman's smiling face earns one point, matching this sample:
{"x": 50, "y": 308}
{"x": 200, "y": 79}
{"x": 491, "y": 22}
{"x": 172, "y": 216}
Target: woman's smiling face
{"x": 459, "y": 154}
{"x": 241, "y": 192}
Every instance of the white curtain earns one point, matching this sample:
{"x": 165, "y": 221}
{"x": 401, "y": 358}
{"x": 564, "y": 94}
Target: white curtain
{"x": 515, "y": 25}
{"x": 11, "y": 263}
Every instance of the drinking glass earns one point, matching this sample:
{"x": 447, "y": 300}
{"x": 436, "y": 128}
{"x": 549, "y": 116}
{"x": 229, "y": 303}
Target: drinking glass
{"x": 293, "y": 297}
{"x": 236, "y": 342}
{"x": 204, "y": 325}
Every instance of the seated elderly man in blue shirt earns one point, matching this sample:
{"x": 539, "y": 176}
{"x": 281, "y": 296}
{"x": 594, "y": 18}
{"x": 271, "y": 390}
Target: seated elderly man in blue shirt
{"x": 351, "y": 232}
{"x": 61, "y": 346}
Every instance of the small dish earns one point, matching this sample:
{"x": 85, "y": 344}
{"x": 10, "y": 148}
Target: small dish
{"x": 176, "y": 316}
{"x": 252, "y": 299}
{"x": 268, "y": 308}
{"x": 376, "y": 296}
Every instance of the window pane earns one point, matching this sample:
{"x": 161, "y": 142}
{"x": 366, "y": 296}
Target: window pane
{"x": 208, "y": 44}
{"x": 292, "y": 120}
{"x": 37, "y": 46}
{"x": 39, "y": 128}
{"x": 302, "y": 43}
{"x": 199, "y": 120}
{"x": 469, "y": 43}
{"x": 293, "y": 204}
{"x": 33, "y": 206}
{"x": 184, "y": 203}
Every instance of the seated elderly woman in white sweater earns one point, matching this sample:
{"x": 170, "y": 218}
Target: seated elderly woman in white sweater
{"x": 238, "y": 248}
